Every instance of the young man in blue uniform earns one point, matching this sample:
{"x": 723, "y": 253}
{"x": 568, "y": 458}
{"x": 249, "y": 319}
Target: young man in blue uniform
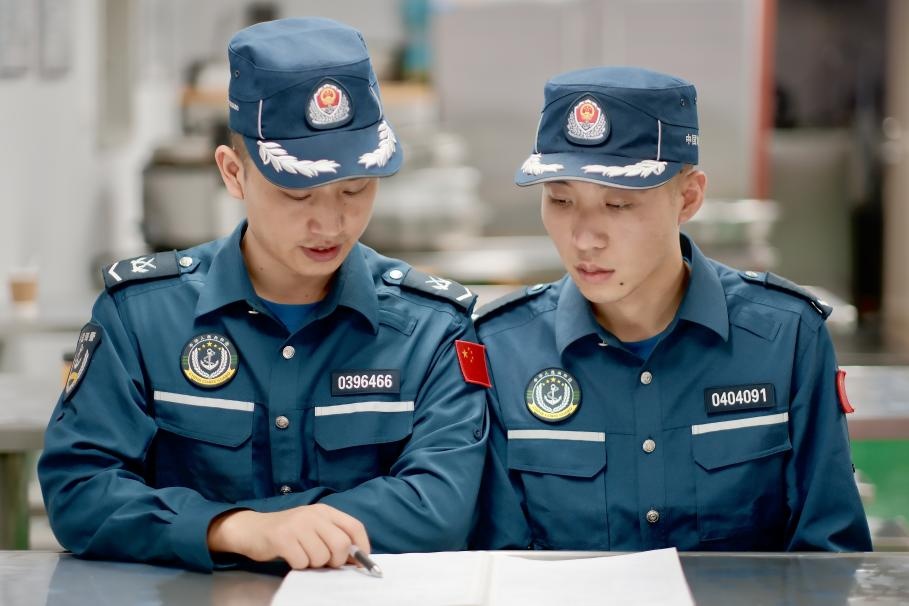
{"x": 654, "y": 397}
{"x": 284, "y": 392}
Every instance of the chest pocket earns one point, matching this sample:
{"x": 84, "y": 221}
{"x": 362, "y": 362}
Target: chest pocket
{"x": 564, "y": 483}
{"x": 359, "y": 441}
{"x": 204, "y": 443}
{"x": 740, "y": 481}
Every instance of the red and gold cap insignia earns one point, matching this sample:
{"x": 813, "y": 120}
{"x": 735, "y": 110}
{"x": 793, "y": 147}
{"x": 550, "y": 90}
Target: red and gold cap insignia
{"x": 329, "y": 107}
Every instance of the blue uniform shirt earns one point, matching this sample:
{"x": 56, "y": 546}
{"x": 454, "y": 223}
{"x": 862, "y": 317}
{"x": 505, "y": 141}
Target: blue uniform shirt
{"x": 727, "y": 436}
{"x": 364, "y": 409}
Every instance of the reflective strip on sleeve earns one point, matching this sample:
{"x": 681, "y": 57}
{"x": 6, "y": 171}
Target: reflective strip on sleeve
{"x": 782, "y": 417}
{"x": 353, "y": 407}
{"x": 179, "y": 398}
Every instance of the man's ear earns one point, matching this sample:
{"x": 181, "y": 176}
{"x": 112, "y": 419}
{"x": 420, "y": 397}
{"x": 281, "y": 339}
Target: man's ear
{"x": 232, "y": 170}
{"x": 691, "y": 188}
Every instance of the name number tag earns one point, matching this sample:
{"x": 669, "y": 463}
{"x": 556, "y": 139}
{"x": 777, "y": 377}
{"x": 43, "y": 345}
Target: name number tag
{"x": 739, "y": 397}
{"x": 348, "y": 382}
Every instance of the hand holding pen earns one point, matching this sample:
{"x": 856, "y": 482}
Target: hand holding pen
{"x": 365, "y": 561}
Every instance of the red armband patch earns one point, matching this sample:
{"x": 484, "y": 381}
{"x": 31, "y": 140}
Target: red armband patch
{"x": 841, "y": 391}
{"x": 472, "y": 359}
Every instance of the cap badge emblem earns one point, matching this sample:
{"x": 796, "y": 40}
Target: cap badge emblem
{"x": 329, "y": 107}
{"x": 586, "y": 123}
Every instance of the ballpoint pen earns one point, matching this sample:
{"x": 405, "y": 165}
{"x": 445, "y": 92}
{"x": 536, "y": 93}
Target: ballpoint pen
{"x": 365, "y": 561}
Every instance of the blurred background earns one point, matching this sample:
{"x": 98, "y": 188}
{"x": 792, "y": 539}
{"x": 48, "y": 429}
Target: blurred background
{"x": 111, "y": 109}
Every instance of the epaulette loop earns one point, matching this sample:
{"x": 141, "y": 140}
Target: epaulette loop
{"x": 440, "y": 288}
{"x": 141, "y": 268}
{"x": 505, "y": 301}
{"x": 771, "y": 280}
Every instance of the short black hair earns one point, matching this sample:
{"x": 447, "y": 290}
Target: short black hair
{"x": 239, "y": 146}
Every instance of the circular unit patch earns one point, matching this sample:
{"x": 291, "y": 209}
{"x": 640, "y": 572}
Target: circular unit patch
{"x": 553, "y": 395}
{"x": 209, "y": 360}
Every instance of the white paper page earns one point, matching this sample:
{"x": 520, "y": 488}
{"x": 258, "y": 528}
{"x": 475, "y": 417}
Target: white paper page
{"x": 410, "y": 579}
{"x": 649, "y": 577}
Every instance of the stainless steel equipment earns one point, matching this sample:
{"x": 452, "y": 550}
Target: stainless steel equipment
{"x": 181, "y": 198}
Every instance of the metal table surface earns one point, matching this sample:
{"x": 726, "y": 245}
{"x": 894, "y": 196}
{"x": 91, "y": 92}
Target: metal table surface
{"x": 33, "y": 577}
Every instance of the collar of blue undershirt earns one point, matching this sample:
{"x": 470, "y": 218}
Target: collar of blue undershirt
{"x": 704, "y": 303}
{"x": 643, "y": 349}
{"x": 227, "y": 281}
{"x": 293, "y": 316}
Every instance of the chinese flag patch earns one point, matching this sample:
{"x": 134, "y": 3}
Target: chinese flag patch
{"x": 472, "y": 358}
{"x": 841, "y": 391}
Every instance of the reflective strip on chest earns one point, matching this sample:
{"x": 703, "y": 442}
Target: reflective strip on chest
{"x": 737, "y": 398}
{"x": 179, "y": 398}
{"x": 354, "y": 407}
{"x": 783, "y": 417}
{"x": 556, "y": 434}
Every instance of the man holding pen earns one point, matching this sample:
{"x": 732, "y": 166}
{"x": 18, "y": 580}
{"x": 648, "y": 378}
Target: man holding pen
{"x": 284, "y": 392}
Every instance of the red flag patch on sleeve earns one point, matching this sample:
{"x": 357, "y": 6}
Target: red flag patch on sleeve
{"x": 472, "y": 359}
{"x": 841, "y": 391}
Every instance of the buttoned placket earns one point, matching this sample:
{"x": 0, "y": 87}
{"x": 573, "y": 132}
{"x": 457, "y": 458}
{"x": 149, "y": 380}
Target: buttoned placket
{"x": 286, "y": 422}
{"x": 650, "y": 462}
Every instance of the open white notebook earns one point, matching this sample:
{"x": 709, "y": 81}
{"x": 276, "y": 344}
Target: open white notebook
{"x": 480, "y": 578}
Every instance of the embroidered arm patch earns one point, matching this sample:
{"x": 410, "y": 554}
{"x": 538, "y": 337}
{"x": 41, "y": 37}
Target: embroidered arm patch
{"x": 841, "y": 391}
{"x": 472, "y": 359}
{"x": 86, "y": 343}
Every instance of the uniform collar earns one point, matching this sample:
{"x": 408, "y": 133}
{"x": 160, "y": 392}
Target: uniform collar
{"x": 704, "y": 303}
{"x": 574, "y": 316}
{"x": 228, "y": 282}
{"x": 354, "y": 288}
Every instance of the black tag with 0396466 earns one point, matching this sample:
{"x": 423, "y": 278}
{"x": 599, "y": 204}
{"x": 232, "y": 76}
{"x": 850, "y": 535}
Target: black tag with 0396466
{"x": 350, "y": 382}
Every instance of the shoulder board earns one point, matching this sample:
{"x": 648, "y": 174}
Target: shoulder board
{"x": 137, "y": 269}
{"x": 434, "y": 286}
{"x": 771, "y": 280}
{"x": 503, "y": 302}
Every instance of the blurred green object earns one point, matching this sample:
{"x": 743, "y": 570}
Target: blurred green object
{"x": 885, "y": 464}
{"x": 417, "y": 60}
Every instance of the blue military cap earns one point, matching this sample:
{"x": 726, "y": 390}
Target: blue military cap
{"x": 305, "y": 98}
{"x": 619, "y": 126}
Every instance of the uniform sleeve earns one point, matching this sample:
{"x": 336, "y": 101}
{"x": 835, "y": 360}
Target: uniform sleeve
{"x": 825, "y": 509}
{"x": 93, "y": 468}
{"x": 427, "y": 502}
{"x": 502, "y": 523}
